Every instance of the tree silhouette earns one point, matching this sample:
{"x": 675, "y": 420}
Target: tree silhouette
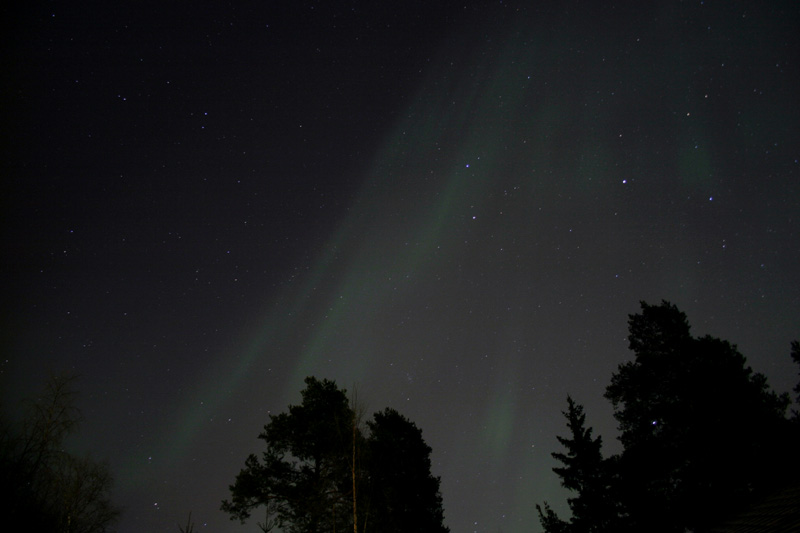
{"x": 701, "y": 431}
{"x": 45, "y": 487}
{"x": 405, "y": 496}
{"x": 702, "y": 434}
{"x": 189, "y": 525}
{"x": 320, "y": 472}
{"x": 302, "y": 476}
{"x": 796, "y": 359}
{"x": 586, "y": 472}
{"x": 550, "y": 520}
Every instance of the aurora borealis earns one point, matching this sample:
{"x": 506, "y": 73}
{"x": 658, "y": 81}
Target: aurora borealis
{"x": 452, "y": 207}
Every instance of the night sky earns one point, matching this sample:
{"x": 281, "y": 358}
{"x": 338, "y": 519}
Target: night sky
{"x": 453, "y": 208}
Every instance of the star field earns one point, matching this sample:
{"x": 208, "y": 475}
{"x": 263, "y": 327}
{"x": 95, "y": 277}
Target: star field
{"x": 452, "y": 207}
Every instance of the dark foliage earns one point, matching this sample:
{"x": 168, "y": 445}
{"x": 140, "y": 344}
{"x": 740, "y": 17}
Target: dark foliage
{"x": 45, "y": 487}
{"x": 321, "y": 473}
{"x": 701, "y": 431}
{"x": 796, "y": 359}
{"x": 550, "y": 520}
{"x": 404, "y": 494}
{"x": 587, "y": 474}
{"x": 702, "y": 434}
